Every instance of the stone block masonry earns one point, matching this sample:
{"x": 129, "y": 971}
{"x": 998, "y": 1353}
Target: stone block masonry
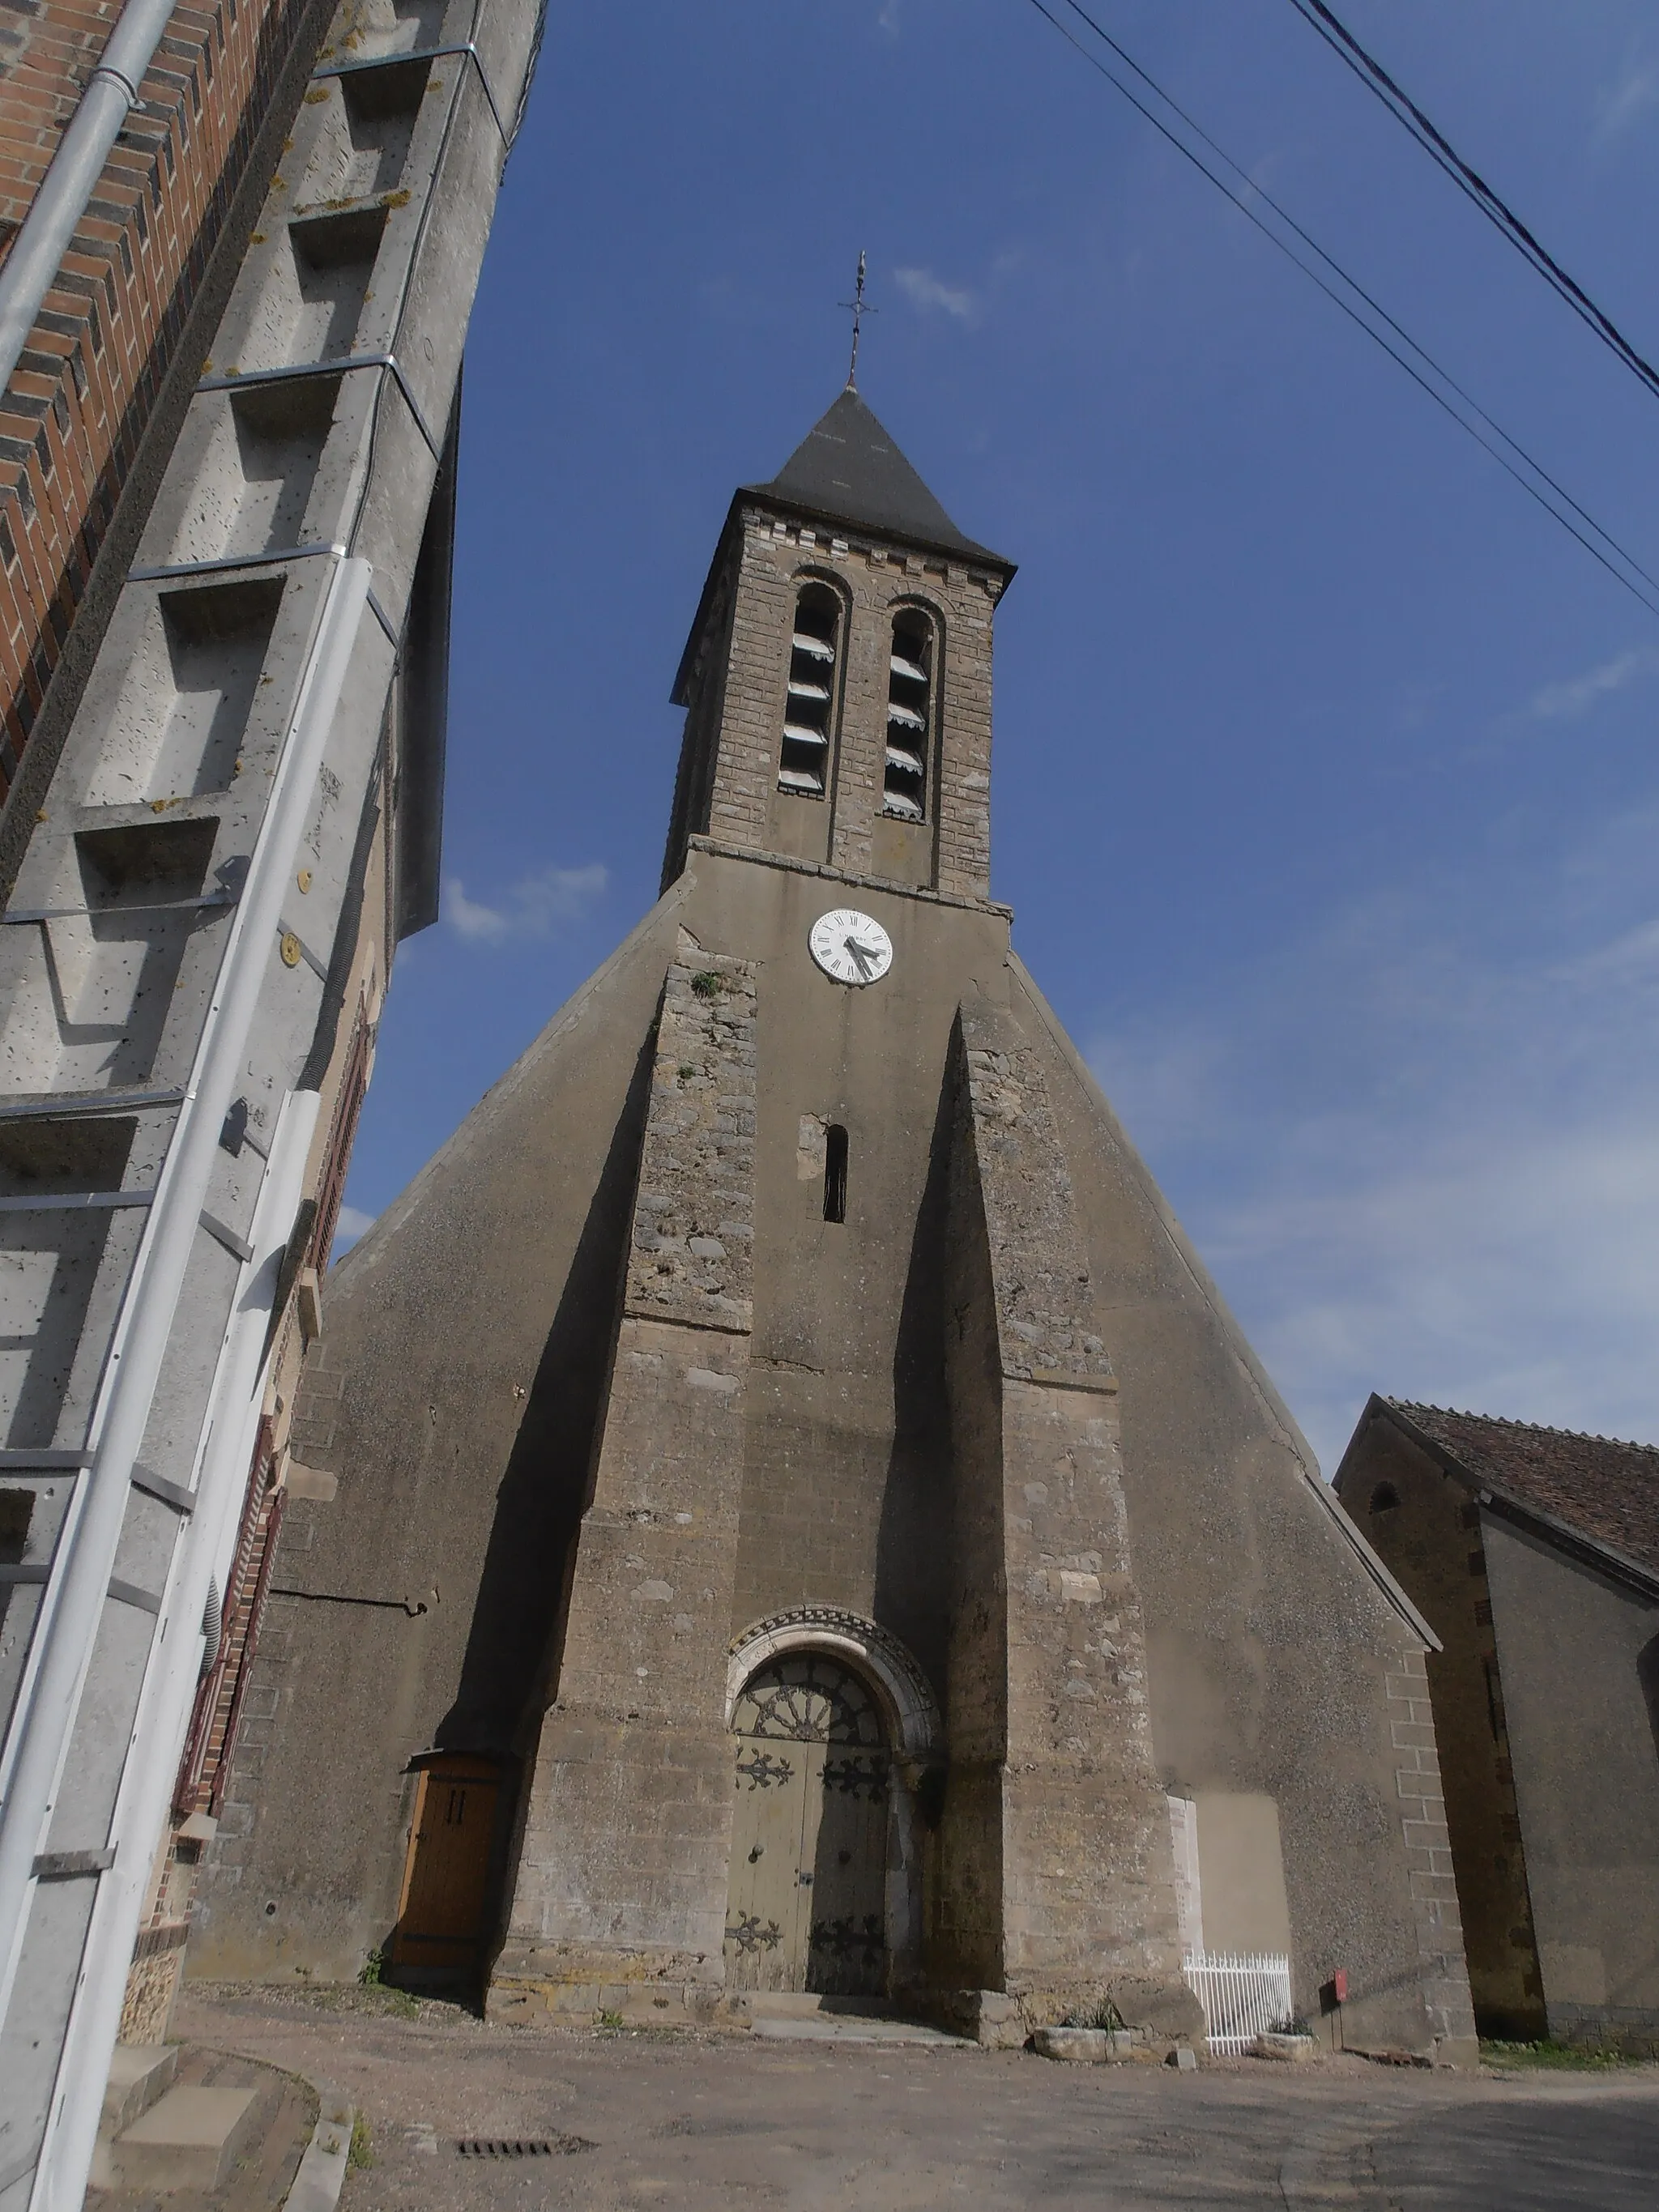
{"x": 1428, "y": 1853}
{"x": 728, "y": 790}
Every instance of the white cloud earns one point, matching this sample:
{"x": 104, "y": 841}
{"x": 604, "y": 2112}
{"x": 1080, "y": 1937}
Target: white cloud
{"x": 1636, "y": 92}
{"x": 1420, "y": 1166}
{"x": 1567, "y": 702}
{"x": 352, "y": 1223}
{"x": 925, "y": 290}
{"x": 533, "y": 906}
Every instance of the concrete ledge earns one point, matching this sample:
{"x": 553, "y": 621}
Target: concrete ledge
{"x": 189, "y": 2140}
{"x": 322, "y": 2173}
{"x": 1293, "y": 2048}
{"x": 139, "y": 2073}
{"x": 519, "y": 2000}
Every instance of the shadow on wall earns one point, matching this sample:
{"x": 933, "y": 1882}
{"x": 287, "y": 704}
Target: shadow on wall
{"x": 913, "y": 1544}
{"x": 509, "y": 1659}
{"x": 1646, "y": 1672}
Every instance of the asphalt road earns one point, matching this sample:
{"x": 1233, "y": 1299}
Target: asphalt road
{"x": 695, "y": 2122}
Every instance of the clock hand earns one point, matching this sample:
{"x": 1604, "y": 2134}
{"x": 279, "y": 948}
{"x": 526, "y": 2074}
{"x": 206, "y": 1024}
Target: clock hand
{"x": 864, "y": 954}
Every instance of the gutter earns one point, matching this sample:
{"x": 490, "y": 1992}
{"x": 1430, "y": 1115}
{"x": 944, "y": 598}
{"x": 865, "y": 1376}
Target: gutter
{"x": 54, "y": 216}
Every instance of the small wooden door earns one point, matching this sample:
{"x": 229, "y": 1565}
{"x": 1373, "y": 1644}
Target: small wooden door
{"x": 807, "y": 1893}
{"x": 440, "y": 1919}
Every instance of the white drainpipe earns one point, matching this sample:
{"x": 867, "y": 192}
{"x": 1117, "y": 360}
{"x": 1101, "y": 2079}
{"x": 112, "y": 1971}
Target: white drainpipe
{"x": 81, "y": 1579}
{"x": 37, "y": 251}
{"x": 140, "y": 1807}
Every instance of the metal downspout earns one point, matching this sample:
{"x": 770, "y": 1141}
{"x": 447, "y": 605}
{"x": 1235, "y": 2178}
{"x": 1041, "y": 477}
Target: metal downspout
{"x": 141, "y": 1807}
{"x": 37, "y": 251}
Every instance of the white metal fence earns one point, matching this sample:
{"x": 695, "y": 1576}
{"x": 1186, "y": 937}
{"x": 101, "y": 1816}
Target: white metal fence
{"x": 1243, "y": 1997}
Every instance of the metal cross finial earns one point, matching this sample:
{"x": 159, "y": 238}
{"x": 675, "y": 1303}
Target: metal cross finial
{"x": 858, "y": 307}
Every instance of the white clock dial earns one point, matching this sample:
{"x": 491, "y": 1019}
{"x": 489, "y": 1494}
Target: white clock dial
{"x": 850, "y": 947}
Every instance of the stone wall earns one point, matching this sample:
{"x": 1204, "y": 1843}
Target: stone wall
{"x": 621, "y": 1875}
{"x": 730, "y": 774}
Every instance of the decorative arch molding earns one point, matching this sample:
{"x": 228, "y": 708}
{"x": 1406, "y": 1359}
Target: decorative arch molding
{"x": 912, "y": 1710}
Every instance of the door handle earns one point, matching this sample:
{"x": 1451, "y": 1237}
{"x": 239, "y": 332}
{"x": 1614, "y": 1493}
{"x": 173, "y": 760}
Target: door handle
{"x": 806, "y": 1881}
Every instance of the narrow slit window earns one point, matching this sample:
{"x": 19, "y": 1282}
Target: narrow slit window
{"x": 910, "y": 719}
{"x": 804, "y": 763}
{"x": 835, "y": 1173}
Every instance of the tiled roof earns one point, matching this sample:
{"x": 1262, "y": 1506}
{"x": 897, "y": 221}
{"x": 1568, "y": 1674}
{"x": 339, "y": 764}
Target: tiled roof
{"x": 848, "y": 468}
{"x": 1600, "y": 1487}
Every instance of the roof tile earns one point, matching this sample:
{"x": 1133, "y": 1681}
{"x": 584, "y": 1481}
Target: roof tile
{"x": 1599, "y": 1486}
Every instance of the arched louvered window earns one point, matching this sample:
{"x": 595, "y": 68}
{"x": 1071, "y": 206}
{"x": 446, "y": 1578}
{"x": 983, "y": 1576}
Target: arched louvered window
{"x": 804, "y": 763}
{"x": 909, "y": 718}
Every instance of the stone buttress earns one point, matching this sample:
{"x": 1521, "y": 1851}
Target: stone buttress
{"x": 621, "y": 1876}
{"x": 1057, "y": 1871}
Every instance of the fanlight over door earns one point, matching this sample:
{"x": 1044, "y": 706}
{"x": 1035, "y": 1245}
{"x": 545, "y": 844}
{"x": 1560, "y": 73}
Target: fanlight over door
{"x": 807, "y": 1894}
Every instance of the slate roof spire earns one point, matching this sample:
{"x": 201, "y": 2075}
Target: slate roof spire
{"x": 848, "y": 469}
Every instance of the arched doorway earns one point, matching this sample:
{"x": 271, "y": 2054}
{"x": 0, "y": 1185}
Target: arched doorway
{"x": 806, "y": 1899}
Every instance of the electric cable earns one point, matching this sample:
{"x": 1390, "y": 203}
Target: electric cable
{"x": 1405, "y": 110}
{"x": 1618, "y": 562}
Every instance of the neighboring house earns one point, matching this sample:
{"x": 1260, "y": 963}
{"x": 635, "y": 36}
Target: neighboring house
{"x": 1534, "y": 1554}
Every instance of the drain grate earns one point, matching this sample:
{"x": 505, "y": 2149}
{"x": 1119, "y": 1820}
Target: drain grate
{"x": 521, "y": 2147}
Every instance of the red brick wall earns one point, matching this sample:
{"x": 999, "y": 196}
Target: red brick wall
{"x": 75, "y": 413}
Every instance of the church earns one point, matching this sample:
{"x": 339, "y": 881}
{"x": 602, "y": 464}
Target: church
{"x": 778, "y": 1506}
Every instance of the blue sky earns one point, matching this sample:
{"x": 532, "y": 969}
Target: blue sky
{"x": 1325, "y": 793}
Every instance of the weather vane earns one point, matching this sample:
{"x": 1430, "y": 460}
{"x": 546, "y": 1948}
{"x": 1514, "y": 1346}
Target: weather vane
{"x": 858, "y": 307}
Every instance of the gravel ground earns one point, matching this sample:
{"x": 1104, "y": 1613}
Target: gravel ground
{"x": 698, "y": 2121}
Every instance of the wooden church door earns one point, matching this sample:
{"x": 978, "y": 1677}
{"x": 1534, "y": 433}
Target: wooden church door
{"x": 440, "y": 1918}
{"x": 807, "y": 1894}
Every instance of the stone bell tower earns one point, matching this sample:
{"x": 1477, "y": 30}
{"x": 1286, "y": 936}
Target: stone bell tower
{"x": 860, "y": 1552}
{"x": 896, "y": 1428}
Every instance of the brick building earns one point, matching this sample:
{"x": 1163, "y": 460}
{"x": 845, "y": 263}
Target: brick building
{"x": 1534, "y": 1554}
{"x": 227, "y": 469}
{"x": 98, "y": 396}
{"x": 804, "y": 1520}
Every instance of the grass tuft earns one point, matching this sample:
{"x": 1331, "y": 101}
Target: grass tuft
{"x": 1568, "y": 2058}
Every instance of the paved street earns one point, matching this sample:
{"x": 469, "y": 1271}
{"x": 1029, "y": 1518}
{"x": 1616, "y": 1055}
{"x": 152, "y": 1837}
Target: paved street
{"x": 707, "y": 2121}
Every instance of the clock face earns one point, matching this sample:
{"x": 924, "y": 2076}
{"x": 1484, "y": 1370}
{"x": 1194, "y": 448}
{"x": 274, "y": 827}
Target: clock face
{"x": 850, "y": 947}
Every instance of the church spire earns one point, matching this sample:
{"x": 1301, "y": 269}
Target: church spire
{"x": 848, "y": 469}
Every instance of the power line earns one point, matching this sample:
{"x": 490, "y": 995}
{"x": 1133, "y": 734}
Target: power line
{"x": 1423, "y": 371}
{"x": 1405, "y": 110}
